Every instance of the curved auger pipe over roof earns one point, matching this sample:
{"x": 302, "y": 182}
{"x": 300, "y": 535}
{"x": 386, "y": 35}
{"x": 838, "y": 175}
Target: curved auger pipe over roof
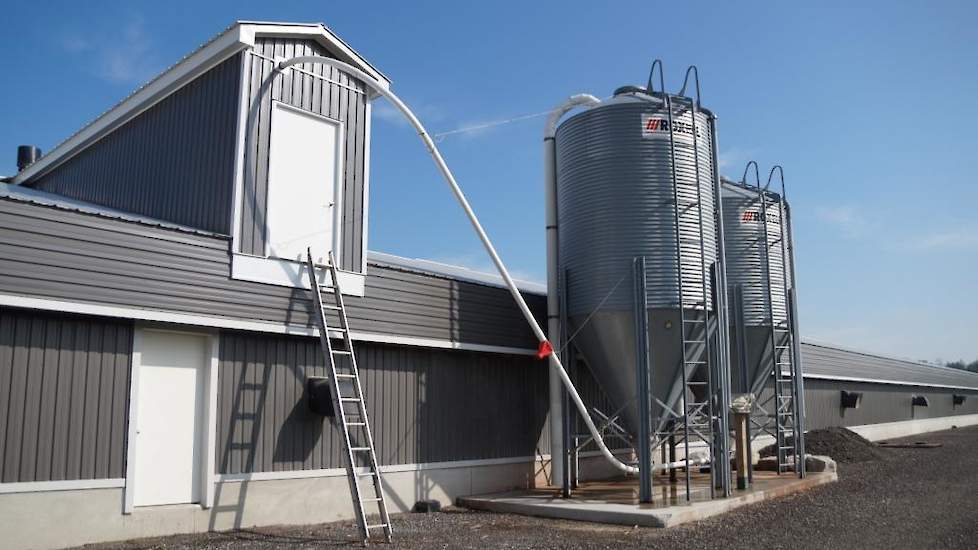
{"x": 545, "y": 347}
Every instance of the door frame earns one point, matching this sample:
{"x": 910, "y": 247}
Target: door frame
{"x": 208, "y": 441}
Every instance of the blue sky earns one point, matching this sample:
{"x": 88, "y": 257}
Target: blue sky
{"x": 870, "y": 109}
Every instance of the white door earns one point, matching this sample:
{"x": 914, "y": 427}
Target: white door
{"x": 169, "y": 418}
{"x": 303, "y": 166}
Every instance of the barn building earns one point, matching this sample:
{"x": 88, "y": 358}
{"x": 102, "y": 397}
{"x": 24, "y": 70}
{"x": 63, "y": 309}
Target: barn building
{"x": 156, "y": 329}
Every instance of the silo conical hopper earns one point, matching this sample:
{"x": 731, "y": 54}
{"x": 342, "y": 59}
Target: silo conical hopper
{"x": 615, "y": 202}
{"x": 751, "y": 347}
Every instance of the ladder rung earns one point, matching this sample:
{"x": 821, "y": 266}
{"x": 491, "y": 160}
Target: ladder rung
{"x": 341, "y": 352}
{"x": 359, "y": 449}
{"x": 378, "y": 526}
{"x": 350, "y": 399}
{"x": 356, "y": 423}
{"x": 371, "y": 499}
{"x": 367, "y": 474}
{"x": 341, "y": 375}
{"x": 333, "y": 308}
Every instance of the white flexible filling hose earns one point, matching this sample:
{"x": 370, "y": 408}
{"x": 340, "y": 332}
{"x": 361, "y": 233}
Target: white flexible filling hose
{"x": 496, "y": 260}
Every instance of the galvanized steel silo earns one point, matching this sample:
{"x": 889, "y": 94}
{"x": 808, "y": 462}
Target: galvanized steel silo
{"x": 615, "y": 203}
{"x": 746, "y": 258}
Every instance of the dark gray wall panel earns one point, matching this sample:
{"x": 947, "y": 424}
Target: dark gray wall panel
{"x": 173, "y": 162}
{"x": 64, "y": 388}
{"x": 425, "y": 405}
{"x": 53, "y": 253}
{"x": 340, "y": 103}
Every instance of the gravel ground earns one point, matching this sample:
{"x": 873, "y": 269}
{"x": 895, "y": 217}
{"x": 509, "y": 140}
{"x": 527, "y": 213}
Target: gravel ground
{"x": 913, "y": 498}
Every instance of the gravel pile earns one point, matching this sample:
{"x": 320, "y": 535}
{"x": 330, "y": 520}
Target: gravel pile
{"x": 916, "y": 499}
{"x": 842, "y": 445}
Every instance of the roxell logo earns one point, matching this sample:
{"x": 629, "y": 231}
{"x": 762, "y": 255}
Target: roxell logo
{"x": 658, "y": 126}
{"x": 753, "y": 216}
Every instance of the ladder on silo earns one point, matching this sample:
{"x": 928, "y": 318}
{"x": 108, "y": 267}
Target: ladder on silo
{"x": 786, "y": 426}
{"x": 791, "y": 348}
{"x": 699, "y": 418}
{"x": 346, "y": 392}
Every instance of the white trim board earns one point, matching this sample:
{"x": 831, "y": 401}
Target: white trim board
{"x": 139, "y": 314}
{"x": 129, "y": 494}
{"x": 60, "y": 485}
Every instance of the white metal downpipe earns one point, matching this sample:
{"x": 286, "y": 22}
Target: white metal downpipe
{"x": 553, "y": 301}
{"x": 496, "y": 260}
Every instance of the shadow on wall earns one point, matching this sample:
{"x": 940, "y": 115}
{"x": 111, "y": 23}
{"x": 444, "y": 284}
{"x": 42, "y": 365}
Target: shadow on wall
{"x": 425, "y": 406}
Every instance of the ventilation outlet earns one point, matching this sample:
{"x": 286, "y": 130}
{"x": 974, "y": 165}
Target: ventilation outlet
{"x": 320, "y": 397}
{"x": 26, "y": 156}
{"x": 920, "y": 401}
{"x": 851, "y": 399}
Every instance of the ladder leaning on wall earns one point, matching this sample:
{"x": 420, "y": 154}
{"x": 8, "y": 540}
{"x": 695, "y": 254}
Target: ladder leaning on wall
{"x": 348, "y": 401}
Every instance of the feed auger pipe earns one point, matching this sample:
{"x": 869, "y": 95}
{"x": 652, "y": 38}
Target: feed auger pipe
{"x": 545, "y": 346}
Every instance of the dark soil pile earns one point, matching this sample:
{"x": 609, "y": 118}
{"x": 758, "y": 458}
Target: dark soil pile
{"x": 840, "y": 444}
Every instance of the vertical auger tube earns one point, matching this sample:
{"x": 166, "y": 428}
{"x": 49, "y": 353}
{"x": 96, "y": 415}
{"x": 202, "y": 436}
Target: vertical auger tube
{"x": 557, "y": 450}
{"x": 477, "y": 226}
{"x": 723, "y": 313}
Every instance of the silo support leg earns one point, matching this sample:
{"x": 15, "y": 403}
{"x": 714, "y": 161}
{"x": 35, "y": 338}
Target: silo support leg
{"x": 642, "y": 383}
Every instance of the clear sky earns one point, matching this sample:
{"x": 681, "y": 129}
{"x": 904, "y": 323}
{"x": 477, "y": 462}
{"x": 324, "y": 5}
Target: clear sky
{"x": 871, "y": 109}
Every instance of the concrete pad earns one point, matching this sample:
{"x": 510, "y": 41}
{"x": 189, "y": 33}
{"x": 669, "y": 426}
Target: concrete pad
{"x": 616, "y": 502}
{"x": 813, "y": 464}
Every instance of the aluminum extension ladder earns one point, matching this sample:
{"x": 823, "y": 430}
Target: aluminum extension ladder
{"x": 345, "y": 377}
{"x": 783, "y": 361}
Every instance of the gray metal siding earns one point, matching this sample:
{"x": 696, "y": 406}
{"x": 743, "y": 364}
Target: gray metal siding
{"x": 174, "y": 162}
{"x": 58, "y": 254}
{"x": 64, "y": 388}
{"x": 340, "y": 103}
{"x": 425, "y": 405}
{"x": 880, "y": 403}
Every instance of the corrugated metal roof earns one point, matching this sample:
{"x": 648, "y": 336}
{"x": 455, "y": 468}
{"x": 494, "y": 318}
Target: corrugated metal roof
{"x": 42, "y": 198}
{"x": 835, "y": 363}
{"x": 451, "y": 271}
